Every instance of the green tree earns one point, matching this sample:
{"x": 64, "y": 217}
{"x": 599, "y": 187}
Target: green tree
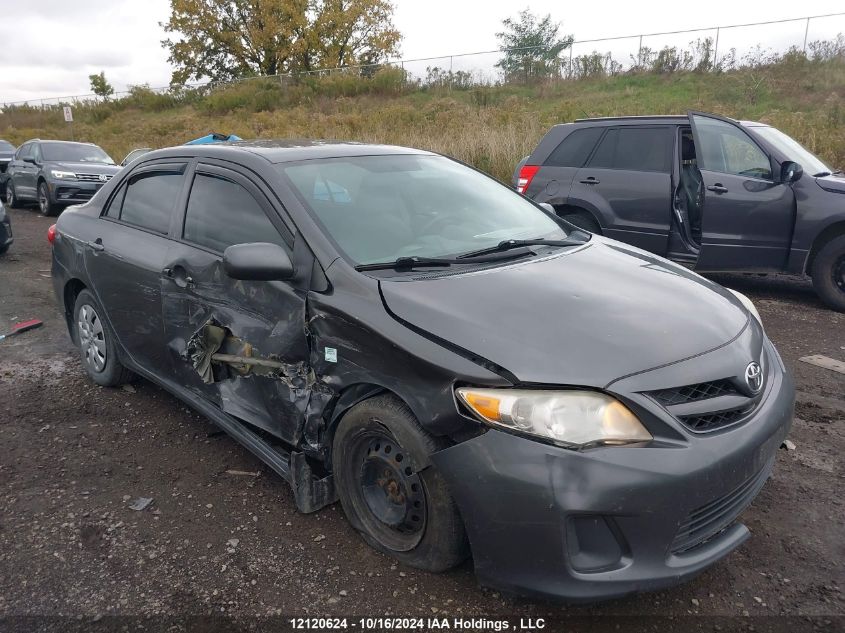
{"x": 531, "y": 47}
{"x": 99, "y": 85}
{"x": 226, "y": 39}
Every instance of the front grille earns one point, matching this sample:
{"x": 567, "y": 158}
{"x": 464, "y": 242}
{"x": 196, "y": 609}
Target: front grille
{"x": 703, "y": 523}
{"x": 93, "y": 177}
{"x": 693, "y": 393}
{"x": 713, "y": 421}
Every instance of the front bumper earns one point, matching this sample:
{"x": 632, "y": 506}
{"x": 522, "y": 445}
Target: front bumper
{"x": 602, "y": 523}
{"x": 68, "y": 192}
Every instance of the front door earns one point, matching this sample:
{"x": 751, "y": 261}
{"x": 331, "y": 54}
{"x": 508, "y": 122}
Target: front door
{"x": 747, "y": 215}
{"x": 627, "y": 183}
{"x": 128, "y": 251}
{"x": 242, "y": 345}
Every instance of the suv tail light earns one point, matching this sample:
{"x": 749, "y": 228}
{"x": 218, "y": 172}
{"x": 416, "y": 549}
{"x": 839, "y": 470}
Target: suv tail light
{"x": 526, "y": 175}
{"x": 51, "y": 233}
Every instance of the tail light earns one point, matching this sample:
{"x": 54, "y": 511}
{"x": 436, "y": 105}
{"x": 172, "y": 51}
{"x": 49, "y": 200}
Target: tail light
{"x": 526, "y": 175}
{"x": 51, "y": 234}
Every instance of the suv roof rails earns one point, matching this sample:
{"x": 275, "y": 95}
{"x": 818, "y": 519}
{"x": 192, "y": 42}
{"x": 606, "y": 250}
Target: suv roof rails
{"x": 638, "y": 116}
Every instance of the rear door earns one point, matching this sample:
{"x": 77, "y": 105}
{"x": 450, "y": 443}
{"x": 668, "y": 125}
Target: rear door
{"x": 206, "y": 312}
{"x": 747, "y": 214}
{"x": 125, "y": 257}
{"x": 627, "y": 184}
{"x": 554, "y": 178}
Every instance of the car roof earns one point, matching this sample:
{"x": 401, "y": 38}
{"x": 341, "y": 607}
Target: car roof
{"x": 49, "y": 140}
{"x": 657, "y": 118}
{"x": 286, "y": 150}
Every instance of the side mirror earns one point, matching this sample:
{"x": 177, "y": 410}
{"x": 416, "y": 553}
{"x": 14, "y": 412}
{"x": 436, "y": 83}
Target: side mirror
{"x": 790, "y": 171}
{"x": 258, "y": 261}
{"x": 29, "y": 159}
{"x": 549, "y": 208}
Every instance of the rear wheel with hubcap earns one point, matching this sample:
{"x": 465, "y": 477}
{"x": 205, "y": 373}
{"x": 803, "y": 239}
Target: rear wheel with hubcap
{"x": 829, "y": 273}
{"x": 96, "y": 343}
{"x": 389, "y": 492}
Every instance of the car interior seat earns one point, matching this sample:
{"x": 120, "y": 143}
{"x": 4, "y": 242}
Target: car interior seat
{"x": 692, "y": 185}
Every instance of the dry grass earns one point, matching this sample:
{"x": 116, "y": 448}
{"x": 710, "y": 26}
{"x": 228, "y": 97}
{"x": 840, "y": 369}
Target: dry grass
{"x": 488, "y": 127}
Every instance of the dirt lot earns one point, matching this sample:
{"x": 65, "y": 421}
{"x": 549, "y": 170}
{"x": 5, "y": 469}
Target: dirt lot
{"x": 74, "y": 456}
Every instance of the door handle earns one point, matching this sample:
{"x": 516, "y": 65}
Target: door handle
{"x": 591, "y": 180}
{"x": 97, "y": 245}
{"x": 717, "y": 188}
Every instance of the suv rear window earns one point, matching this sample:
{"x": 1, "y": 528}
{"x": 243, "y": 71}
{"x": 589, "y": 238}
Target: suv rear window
{"x": 574, "y": 150}
{"x": 635, "y": 149}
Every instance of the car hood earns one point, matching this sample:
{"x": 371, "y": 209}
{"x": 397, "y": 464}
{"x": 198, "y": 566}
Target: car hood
{"x": 85, "y": 168}
{"x": 582, "y": 316}
{"x": 834, "y": 184}
{"x": 6, "y": 155}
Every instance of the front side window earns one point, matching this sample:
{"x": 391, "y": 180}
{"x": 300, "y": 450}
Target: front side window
{"x": 222, "y": 213}
{"x": 726, "y": 149}
{"x": 150, "y": 199}
{"x": 380, "y": 208}
{"x": 75, "y": 153}
{"x": 635, "y": 149}
{"x": 574, "y": 150}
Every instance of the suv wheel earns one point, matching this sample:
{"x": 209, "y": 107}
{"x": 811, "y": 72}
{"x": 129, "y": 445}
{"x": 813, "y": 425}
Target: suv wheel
{"x": 96, "y": 342}
{"x": 45, "y": 205}
{"x": 829, "y": 273}
{"x": 400, "y": 508}
{"x": 11, "y": 200}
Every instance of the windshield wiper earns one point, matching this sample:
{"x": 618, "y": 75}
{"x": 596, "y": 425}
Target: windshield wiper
{"x": 507, "y": 245}
{"x": 407, "y": 263}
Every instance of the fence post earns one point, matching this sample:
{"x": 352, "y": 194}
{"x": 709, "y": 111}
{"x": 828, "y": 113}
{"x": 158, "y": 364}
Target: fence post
{"x": 716, "y": 51}
{"x": 806, "y": 30}
{"x": 451, "y": 59}
{"x": 570, "y": 59}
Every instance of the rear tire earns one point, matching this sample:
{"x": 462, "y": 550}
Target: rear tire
{"x": 583, "y": 220}
{"x": 828, "y": 273}
{"x": 399, "y": 506}
{"x": 96, "y": 342}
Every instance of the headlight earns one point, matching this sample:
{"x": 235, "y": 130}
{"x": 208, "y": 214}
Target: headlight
{"x": 63, "y": 175}
{"x": 570, "y": 418}
{"x": 749, "y": 305}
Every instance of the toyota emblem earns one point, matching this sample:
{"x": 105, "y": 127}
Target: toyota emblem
{"x": 754, "y": 377}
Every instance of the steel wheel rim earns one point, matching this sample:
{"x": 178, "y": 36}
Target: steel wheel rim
{"x": 92, "y": 338}
{"x": 43, "y": 203}
{"x": 391, "y": 493}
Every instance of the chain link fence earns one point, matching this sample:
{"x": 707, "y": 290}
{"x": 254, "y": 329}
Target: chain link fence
{"x": 706, "y": 49}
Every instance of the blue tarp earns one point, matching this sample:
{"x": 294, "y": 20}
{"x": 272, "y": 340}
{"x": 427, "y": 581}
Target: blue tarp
{"x": 214, "y": 138}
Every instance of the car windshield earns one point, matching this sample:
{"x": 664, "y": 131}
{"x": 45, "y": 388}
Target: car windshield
{"x": 381, "y": 208}
{"x": 792, "y": 149}
{"x": 6, "y": 146}
{"x": 75, "y": 153}
{"x": 135, "y": 153}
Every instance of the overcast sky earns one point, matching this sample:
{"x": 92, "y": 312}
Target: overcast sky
{"x": 49, "y": 47}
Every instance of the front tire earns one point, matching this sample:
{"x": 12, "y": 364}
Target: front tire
{"x": 97, "y": 346}
{"x": 400, "y": 506}
{"x": 11, "y": 199}
{"x": 46, "y": 206}
{"x": 828, "y": 273}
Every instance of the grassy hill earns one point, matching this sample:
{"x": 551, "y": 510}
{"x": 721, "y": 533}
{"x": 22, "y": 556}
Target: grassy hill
{"x": 491, "y": 127}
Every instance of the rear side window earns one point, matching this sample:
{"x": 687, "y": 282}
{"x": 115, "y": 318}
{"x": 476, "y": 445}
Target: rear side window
{"x": 149, "y": 200}
{"x": 574, "y": 150}
{"x": 222, "y": 213}
{"x": 635, "y": 149}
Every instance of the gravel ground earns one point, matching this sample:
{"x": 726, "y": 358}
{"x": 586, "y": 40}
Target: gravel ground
{"x": 222, "y": 535}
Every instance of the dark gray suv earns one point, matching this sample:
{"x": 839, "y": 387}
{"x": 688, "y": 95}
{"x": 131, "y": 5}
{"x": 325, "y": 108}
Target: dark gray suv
{"x": 56, "y": 174}
{"x": 705, "y": 191}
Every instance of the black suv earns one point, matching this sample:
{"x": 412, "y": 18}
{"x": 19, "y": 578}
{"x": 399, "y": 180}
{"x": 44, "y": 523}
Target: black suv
{"x": 56, "y": 174}
{"x": 709, "y": 192}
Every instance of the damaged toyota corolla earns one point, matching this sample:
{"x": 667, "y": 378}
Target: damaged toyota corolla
{"x": 465, "y": 372}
